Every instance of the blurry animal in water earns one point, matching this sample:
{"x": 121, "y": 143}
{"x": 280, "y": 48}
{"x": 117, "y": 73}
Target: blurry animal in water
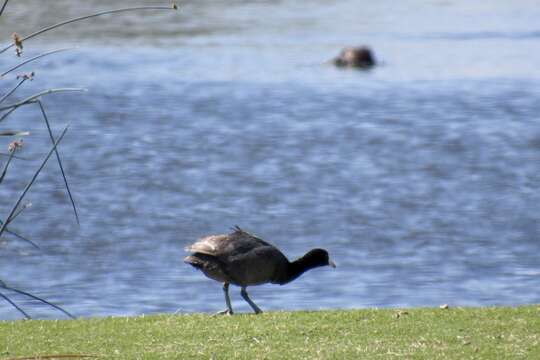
{"x": 242, "y": 259}
{"x": 356, "y": 57}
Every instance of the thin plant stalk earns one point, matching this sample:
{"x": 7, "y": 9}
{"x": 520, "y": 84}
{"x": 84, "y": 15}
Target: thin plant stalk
{"x": 20, "y": 237}
{"x": 33, "y": 59}
{"x": 15, "y": 306}
{"x": 59, "y": 160}
{"x": 8, "y": 94}
{"x": 15, "y": 157}
{"x": 37, "y": 95}
{"x": 6, "y": 166}
{"x": 3, "y": 7}
{"x": 20, "y": 210}
{"x": 4, "y": 286}
{"x": 7, "y": 113}
{"x": 31, "y": 99}
{"x": 14, "y": 133}
{"x": 21, "y": 197}
{"x": 48, "y": 28}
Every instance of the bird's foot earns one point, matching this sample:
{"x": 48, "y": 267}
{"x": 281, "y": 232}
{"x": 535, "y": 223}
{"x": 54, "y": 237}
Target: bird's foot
{"x": 223, "y": 312}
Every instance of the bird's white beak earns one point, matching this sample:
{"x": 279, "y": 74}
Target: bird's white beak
{"x": 331, "y": 263}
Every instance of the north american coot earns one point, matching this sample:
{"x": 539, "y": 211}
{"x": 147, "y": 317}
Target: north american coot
{"x": 242, "y": 259}
{"x": 355, "y": 57}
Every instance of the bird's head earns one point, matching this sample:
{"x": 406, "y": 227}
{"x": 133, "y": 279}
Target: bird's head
{"x": 319, "y": 257}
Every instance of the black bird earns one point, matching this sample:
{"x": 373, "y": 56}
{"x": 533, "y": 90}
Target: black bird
{"x": 242, "y": 259}
{"x": 355, "y": 57}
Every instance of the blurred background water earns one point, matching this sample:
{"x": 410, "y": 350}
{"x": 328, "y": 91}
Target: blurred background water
{"x": 421, "y": 177}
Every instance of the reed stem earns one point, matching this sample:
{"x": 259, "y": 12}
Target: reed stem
{"x": 59, "y": 160}
{"x": 33, "y": 59}
{"x": 21, "y": 197}
{"x": 31, "y": 99}
{"x": 48, "y": 28}
{"x": 3, "y": 7}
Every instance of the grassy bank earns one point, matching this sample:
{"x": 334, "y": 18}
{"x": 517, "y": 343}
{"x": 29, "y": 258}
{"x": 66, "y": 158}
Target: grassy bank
{"x": 455, "y": 333}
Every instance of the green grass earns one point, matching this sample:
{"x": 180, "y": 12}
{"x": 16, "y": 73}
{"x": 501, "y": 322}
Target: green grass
{"x": 455, "y": 333}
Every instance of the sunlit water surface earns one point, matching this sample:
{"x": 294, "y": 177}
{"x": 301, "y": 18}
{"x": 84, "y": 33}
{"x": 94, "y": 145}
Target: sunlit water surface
{"x": 420, "y": 177}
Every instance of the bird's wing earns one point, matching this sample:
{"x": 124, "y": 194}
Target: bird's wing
{"x": 241, "y": 234}
{"x": 210, "y": 245}
{"x": 236, "y": 243}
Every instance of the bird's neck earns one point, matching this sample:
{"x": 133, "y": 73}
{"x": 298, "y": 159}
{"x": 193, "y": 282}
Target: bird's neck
{"x": 297, "y": 268}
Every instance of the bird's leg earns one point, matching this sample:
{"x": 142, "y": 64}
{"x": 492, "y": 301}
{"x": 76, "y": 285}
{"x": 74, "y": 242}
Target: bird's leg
{"x": 227, "y": 298}
{"x": 229, "y": 310}
{"x": 244, "y": 294}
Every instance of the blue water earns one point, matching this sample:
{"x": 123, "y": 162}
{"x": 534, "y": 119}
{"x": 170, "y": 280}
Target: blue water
{"x": 421, "y": 177}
